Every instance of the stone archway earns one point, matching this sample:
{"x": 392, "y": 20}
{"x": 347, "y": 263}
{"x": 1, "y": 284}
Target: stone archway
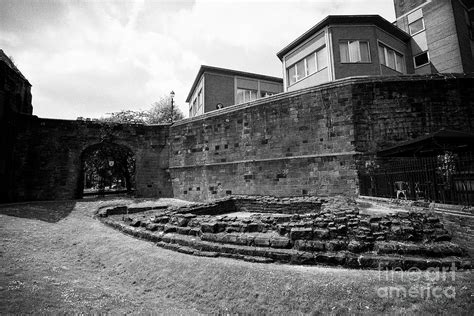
{"x": 107, "y": 168}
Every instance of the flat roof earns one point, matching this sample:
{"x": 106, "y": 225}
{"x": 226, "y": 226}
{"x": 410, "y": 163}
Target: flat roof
{"x": 376, "y": 20}
{"x": 225, "y": 71}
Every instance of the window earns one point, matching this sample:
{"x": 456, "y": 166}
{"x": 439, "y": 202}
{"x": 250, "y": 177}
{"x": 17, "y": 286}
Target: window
{"x": 469, "y": 25}
{"x": 199, "y": 100}
{"x": 193, "y": 108}
{"x": 246, "y": 95}
{"x": 415, "y": 22}
{"x": 391, "y": 58}
{"x": 421, "y": 59}
{"x": 354, "y": 52}
{"x": 264, "y": 94}
{"x": 312, "y": 63}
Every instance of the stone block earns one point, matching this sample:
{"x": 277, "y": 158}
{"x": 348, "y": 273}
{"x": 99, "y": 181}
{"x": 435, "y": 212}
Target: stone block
{"x": 209, "y": 227}
{"x": 279, "y": 242}
{"x": 152, "y": 227}
{"x": 182, "y": 221}
{"x": 356, "y": 246}
{"x": 261, "y": 241}
{"x": 209, "y": 237}
{"x": 135, "y": 222}
{"x": 169, "y": 228}
{"x": 195, "y": 231}
{"x": 183, "y": 230}
{"x": 314, "y": 245}
{"x": 336, "y": 245}
{"x": 230, "y": 238}
{"x": 319, "y": 233}
{"x": 301, "y": 233}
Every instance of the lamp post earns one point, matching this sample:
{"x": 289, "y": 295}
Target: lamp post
{"x": 172, "y": 103}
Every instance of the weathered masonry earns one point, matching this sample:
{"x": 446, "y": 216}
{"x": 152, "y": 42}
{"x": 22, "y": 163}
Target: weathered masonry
{"x": 309, "y": 142}
{"x": 48, "y": 157}
{"x": 306, "y": 142}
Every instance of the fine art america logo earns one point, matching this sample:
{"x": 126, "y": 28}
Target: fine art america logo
{"x": 421, "y": 284}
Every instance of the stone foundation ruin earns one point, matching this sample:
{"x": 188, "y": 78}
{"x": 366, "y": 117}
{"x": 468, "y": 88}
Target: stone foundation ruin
{"x": 310, "y": 230}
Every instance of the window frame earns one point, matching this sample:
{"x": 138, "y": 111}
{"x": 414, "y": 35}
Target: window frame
{"x": 359, "y": 51}
{"x": 427, "y": 55}
{"x": 417, "y": 32}
{"x": 200, "y": 100}
{"x": 420, "y": 15}
{"x": 245, "y": 94}
{"x": 305, "y": 62}
{"x": 388, "y": 47}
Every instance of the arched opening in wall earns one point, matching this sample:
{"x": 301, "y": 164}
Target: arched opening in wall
{"x": 107, "y": 168}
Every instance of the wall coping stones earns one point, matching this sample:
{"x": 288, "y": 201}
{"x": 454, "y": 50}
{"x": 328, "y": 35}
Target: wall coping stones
{"x": 337, "y": 83}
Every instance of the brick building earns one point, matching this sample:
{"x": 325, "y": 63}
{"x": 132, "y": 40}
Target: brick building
{"x": 216, "y": 88}
{"x": 430, "y": 36}
{"x": 343, "y": 46}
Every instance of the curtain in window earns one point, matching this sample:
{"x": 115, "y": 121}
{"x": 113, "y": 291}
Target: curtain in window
{"x": 399, "y": 62}
{"x": 300, "y": 70}
{"x": 240, "y": 96}
{"x": 382, "y": 55}
{"x": 354, "y": 54}
{"x": 364, "y": 51}
{"x": 391, "y": 59}
{"x": 292, "y": 74}
{"x": 344, "y": 50}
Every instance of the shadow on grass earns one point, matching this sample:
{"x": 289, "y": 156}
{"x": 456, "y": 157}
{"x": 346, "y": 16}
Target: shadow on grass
{"x": 51, "y": 212}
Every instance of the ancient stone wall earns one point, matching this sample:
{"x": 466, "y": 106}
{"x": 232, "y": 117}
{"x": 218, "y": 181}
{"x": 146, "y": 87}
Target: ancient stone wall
{"x": 291, "y": 144}
{"x": 333, "y": 232}
{"x": 48, "y": 152}
{"x": 391, "y": 110}
{"x": 306, "y": 142}
{"x": 461, "y": 225}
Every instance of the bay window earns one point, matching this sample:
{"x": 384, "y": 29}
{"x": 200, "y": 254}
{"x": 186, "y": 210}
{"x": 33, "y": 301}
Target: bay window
{"x": 310, "y": 64}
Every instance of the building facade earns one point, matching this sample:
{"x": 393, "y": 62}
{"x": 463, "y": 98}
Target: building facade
{"x": 343, "y": 46}
{"x": 216, "y": 88}
{"x": 442, "y": 38}
{"x": 429, "y": 36}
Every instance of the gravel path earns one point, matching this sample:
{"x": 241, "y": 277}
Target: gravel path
{"x": 55, "y": 258}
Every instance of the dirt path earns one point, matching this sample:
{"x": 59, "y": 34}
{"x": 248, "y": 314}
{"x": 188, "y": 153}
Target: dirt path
{"x": 57, "y": 258}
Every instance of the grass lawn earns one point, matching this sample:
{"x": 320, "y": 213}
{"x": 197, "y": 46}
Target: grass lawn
{"x": 56, "y": 258}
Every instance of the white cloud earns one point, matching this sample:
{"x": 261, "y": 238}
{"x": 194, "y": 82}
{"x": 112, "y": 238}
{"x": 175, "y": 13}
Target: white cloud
{"x": 103, "y": 56}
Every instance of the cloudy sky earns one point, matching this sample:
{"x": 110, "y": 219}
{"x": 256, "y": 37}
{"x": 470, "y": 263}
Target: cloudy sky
{"x": 92, "y": 57}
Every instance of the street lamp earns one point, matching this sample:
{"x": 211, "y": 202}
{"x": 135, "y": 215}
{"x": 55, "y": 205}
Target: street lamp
{"x": 172, "y": 103}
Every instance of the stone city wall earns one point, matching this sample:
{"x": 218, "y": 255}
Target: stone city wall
{"x": 308, "y": 142}
{"x": 48, "y": 165}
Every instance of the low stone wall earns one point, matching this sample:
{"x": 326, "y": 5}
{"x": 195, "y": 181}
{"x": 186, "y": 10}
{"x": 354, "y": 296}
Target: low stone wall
{"x": 462, "y": 228}
{"x": 332, "y": 233}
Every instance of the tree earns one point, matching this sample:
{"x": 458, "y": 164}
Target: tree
{"x": 127, "y": 117}
{"x": 160, "y": 112}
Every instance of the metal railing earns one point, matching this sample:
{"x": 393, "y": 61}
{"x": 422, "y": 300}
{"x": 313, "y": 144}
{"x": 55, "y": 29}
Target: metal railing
{"x": 447, "y": 178}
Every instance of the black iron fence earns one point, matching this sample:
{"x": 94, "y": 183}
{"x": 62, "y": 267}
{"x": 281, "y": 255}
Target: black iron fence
{"x": 446, "y": 178}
